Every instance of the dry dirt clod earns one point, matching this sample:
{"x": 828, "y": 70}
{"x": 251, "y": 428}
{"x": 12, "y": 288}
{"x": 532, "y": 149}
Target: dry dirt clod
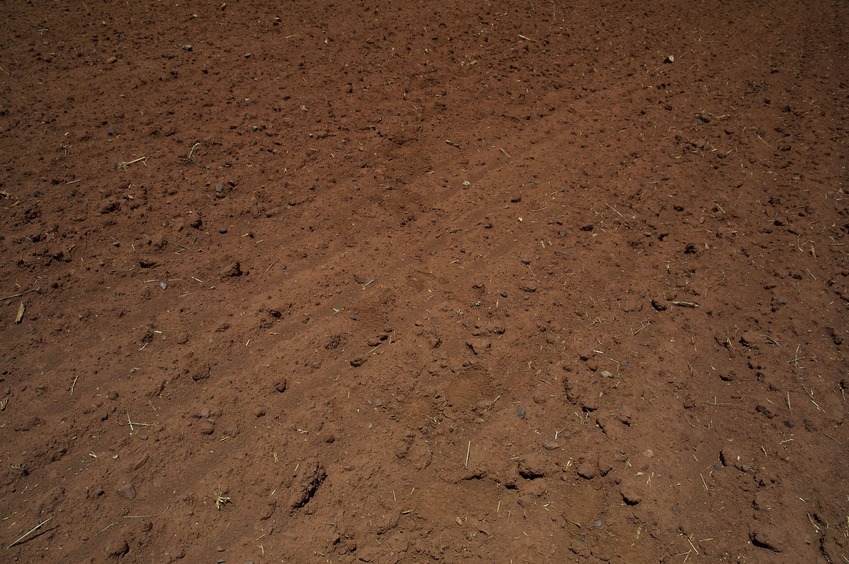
{"x": 532, "y": 466}
{"x": 478, "y": 345}
{"x": 117, "y": 548}
{"x": 768, "y": 537}
{"x": 233, "y": 271}
{"x": 587, "y": 470}
{"x": 630, "y": 494}
{"x": 310, "y": 476}
{"x": 206, "y": 427}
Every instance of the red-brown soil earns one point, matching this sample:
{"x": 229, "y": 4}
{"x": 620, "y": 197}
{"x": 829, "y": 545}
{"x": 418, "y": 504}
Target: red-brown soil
{"x": 411, "y": 281}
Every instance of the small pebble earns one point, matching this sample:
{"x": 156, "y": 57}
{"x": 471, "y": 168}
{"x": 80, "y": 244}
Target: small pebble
{"x": 127, "y": 491}
{"x": 521, "y": 412}
{"x": 222, "y": 230}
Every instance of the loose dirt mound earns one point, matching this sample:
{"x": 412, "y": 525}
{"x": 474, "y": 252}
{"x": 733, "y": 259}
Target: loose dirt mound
{"x": 510, "y": 282}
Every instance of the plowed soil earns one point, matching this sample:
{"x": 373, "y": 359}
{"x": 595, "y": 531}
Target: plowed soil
{"x": 424, "y": 281}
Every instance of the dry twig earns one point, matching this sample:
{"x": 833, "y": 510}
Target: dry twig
{"x": 123, "y": 165}
{"x": 21, "y": 538}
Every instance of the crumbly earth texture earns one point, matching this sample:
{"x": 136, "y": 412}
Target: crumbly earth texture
{"x": 512, "y": 281}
